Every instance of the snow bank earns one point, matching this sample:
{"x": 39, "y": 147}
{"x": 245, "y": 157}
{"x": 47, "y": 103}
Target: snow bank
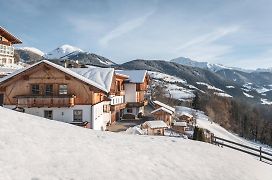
{"x": 37, "y": 148}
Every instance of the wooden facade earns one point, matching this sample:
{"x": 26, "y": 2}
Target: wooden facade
{"x": 164, "y": 116}
{"x": 118, "y": 89}
{"x": 18, "y": 90}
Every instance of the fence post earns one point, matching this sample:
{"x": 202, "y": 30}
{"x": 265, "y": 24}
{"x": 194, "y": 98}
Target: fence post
{"x": 260, "y": 153}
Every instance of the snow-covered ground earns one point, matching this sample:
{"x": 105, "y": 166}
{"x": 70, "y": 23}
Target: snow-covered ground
{"x": 172, "y": 85}
{"x": 209, "y": 86}
{"x": 204, "y": 122}
{"x": 248, "y": 95}
{"x": 36, "y": 148}
{"x": 223, "y": 94}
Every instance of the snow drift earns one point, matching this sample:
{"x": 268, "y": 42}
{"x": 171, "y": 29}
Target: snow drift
{"x": 36, "y": 148}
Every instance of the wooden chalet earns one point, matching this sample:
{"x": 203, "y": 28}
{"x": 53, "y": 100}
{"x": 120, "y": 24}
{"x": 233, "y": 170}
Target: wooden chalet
{"x": 54, "y": 92}
{"x": 6, "y": 48}
{"x": 163, "y": 114}
{"x": 156, "y": 127}
{"x": 135, "y": 89}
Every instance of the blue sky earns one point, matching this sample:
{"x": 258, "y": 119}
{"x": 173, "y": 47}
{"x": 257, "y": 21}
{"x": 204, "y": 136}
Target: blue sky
{"x": 234, "y": 33}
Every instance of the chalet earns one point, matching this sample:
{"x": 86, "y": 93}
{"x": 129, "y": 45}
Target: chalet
{"x": 6, "y": 48}
{"x": 184, "y": 116}
{"x": 155, "y": 127}
{"x": 91, "y": 97}
{"x": 163, "y": 114}
{"x": 179, "y": 127}
{"x": 159, "y": 104}
{"x": 54, "y": 92}
{"x": 135, "y": 89}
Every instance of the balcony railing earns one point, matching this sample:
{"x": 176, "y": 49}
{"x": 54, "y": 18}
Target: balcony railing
{"x": 45, "y": 101}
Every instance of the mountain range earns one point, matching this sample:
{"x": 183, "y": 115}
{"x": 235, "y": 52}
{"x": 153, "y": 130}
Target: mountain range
{"x": 251, "y": 85}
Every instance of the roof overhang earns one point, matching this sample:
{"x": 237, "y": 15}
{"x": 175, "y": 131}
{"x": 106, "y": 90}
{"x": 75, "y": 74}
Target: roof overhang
{"x": 9, "y": 36}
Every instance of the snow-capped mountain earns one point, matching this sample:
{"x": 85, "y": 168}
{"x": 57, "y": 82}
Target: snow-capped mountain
{"x": 62, "y": 52}
{"x": 203, "y": 65}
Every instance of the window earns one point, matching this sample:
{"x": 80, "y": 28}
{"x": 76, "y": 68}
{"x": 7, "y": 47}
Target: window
{"x": 35, "y": 89}
{"x": 49, "y": 89}
{"x": 129, "y": 110}
{"x": 78, "y": 115}
{"x": 63, "y": 89}
{"x": 48, "y": 114}
{"x": 106, "y": 108}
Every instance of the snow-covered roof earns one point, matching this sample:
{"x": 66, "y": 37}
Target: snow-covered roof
{"x": 102, "y": 76}
{"x": 183, "y": 124}
{"x": 185, "y": 114}
{"x": 156, "y": 124}
{"x": 135, "y": 76}
{"x": 63, "y": 69}
{"x": 165, "y": 106}
{"x": 162, "y": 109}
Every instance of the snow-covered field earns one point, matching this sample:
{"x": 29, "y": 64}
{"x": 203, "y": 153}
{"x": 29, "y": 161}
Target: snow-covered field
{"x": 172, "y": 85}
{"x": 36, "y": 148}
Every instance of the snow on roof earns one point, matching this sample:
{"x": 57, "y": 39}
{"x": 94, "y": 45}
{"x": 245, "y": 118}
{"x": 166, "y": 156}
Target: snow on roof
{"x": 183, "y": 124}
{"x": 165, "y": 106}
{"x": 135, "y": 76}
{"x": 185, "y": 114}
{"x": 63, "y": 69}
{"x": 156, "y": 124}
{"x": 102, "y": 76}
{"x": 162, "y": 109}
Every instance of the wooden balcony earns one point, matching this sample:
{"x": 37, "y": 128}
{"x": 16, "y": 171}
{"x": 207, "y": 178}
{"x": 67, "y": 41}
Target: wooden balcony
{"x": 45, "y": 101}
{"x": 118, "y": 107}
{"x": 5, "y": 43}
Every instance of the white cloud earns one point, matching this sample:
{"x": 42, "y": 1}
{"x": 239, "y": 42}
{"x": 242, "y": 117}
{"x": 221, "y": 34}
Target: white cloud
{"x": 205, "y": 47}
{"x": 124, "y": 28}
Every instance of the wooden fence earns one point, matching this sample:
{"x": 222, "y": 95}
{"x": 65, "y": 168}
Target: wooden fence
{"x": 255, "y": 151}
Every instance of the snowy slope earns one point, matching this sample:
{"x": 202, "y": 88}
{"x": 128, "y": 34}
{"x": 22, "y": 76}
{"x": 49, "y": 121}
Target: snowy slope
{"x": 32, "y": 49}
{"x": 36, "y": 148}
{"x": 62, "y": 51}
{"x": 204, "y": 122}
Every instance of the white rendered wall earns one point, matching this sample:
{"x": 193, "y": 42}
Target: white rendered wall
{"x": 93, "y": 114}
{"x": 100, "y": 118}
{"x": 61, "y": 114}
{"x": 130, "y": 92}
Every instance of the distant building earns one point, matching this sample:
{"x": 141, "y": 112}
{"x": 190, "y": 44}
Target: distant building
{"x": 155, "y": 127}
{"x": 6, "y": 48}
{"x": 135, "y": 90}
{"x": 163, "y": 114}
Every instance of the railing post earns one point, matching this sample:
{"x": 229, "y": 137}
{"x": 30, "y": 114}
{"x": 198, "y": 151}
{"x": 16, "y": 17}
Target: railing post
{"x": 260, "y": 153}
